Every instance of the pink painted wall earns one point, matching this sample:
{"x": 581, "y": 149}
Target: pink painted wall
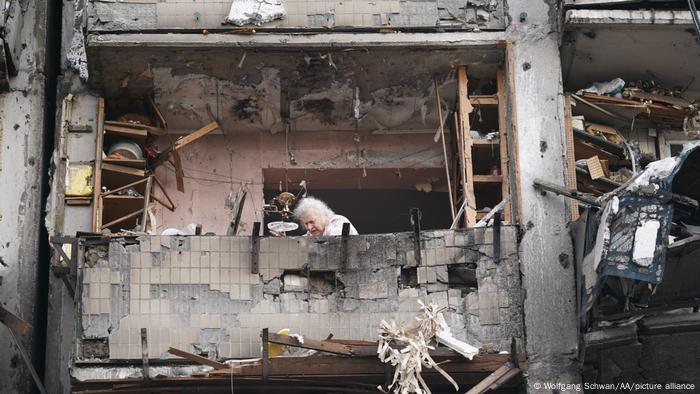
{"x": 215, "y": 166}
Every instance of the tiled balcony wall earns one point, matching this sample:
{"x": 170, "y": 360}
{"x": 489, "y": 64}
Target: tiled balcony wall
{"x": 199, "y": 293}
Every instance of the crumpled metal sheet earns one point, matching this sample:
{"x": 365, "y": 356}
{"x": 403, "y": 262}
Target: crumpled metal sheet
{"x": 255, "y": 12}
{"x": 643, "y": 207}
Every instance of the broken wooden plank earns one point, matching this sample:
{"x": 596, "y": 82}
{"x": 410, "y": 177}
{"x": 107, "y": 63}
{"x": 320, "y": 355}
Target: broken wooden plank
{"x": 97, "y": 179}
{"x": 485, "y": 384}
{"x": 13, "y": 321}
{"x": 159, "y": 114}
{"x": 195, "y": 135}
{"x": 171, "y": 205}
{"x": 28, "y": 362}
{"x": 321, "y": 346}
{"x": 197, "y": 358}
{"x": 179, "y": 173}
{"x": 132, "y": 184}
{"x": 503, "y": 143}
{"x": 123, "y": 218}
{"x": 570, "y": 156}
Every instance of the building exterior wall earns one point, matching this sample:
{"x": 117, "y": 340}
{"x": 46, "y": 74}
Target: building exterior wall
{"x": 198, "y": 293}
{"x": 535, "y": 101}
{"x": 21, "y": 165}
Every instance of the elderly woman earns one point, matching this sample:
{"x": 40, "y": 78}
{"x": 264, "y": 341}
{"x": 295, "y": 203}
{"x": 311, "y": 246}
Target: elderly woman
{"x": 319, "y": 219}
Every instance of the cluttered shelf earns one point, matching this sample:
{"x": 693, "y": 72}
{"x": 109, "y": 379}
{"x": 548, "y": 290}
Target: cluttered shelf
{"x": 613, "y": 130}
{"x": 484, "y": 100}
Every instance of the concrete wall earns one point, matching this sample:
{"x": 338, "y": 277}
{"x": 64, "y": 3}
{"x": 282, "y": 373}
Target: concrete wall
{"x": 217, "y": 165}
{"x": 21, "y": 163}
{"x": 545, "y": 249}
{"x": 198, "y": 293}
{"x": 212, "y": 14}
{"x": 533, "y": 29}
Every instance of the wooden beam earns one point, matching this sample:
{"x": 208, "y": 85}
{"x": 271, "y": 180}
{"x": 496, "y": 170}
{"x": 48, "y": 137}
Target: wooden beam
{"x": 465, "y": 108}
{"x": 13, "y": 322}
{"x": 123, "y": 218}
{"x": 198, "y": 359}
{"x": 195, "y": 135}
{"x": 179, "y": 173}
{"x": 159, "y": 115}
{"x": 321, "y": 346}
{"x": 107, "y": 193}
{"x": 462, "y": 164}
{"x": 485, "y": 384}
{"x": 97, "y": 179}
{"x": 513, "y": 143}
{"x": 170, "y": 207}
{"x": 131, "y": 132}
{"x": 503, "y": 144}
{"x": 570, "y": 156}
{"x": 146, "y": 201}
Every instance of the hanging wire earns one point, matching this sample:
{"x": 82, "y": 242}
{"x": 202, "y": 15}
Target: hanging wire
{"x": 696, "y": 21}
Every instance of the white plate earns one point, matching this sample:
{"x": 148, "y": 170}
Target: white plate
{"x": 282, "y": 226}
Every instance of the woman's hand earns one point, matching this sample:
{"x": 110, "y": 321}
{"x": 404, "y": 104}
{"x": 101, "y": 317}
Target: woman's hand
{"x": 277, "y": 233}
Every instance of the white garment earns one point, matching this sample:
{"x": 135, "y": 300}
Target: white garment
{"x": 335, "y": 226}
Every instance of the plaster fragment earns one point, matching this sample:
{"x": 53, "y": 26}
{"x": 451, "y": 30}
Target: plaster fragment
{"x": 256, "y": 12}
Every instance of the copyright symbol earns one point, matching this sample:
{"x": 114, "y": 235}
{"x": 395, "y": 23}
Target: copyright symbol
{"x": 537, "y": 386}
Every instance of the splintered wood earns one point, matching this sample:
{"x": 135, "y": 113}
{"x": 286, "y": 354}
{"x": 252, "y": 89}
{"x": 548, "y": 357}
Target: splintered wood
{"x": 410, "y": 360}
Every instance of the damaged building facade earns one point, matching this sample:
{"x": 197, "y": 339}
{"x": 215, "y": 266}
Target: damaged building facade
{"x": 181, "y": 132}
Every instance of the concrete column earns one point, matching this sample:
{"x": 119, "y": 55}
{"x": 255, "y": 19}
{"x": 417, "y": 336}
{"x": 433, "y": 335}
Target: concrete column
{"x": 546, "y": 247}
{"x": 21, "y": 163}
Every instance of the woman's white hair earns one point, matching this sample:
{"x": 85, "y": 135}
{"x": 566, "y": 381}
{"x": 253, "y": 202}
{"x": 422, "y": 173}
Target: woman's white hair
{"x": 314, "y": 207}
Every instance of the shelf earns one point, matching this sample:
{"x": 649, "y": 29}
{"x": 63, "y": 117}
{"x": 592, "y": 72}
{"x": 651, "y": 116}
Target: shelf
{"x": 484, "y": 100}
{"x": 120, "y": 169}
{"x": 488, "y": 178}
{"x": 484, "y": 141}
{"x": 138, "y": 134}
{"x": 140, "y": 164}
{"x": 116, "y": 197}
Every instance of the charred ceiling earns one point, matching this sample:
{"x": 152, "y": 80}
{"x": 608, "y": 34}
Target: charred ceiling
{"x": 254, "y": 89}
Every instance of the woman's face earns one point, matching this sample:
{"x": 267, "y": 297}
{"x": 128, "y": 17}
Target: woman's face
{"x": 313, "y": 224}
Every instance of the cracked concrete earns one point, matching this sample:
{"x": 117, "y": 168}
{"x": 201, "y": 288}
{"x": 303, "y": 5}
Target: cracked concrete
{"x": 198, "y": 294}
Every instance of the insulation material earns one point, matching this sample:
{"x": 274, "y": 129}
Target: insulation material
{"x": 255, "y": 12}
{"x": 79, "y": 180}
{"x": 645, "y": 243}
